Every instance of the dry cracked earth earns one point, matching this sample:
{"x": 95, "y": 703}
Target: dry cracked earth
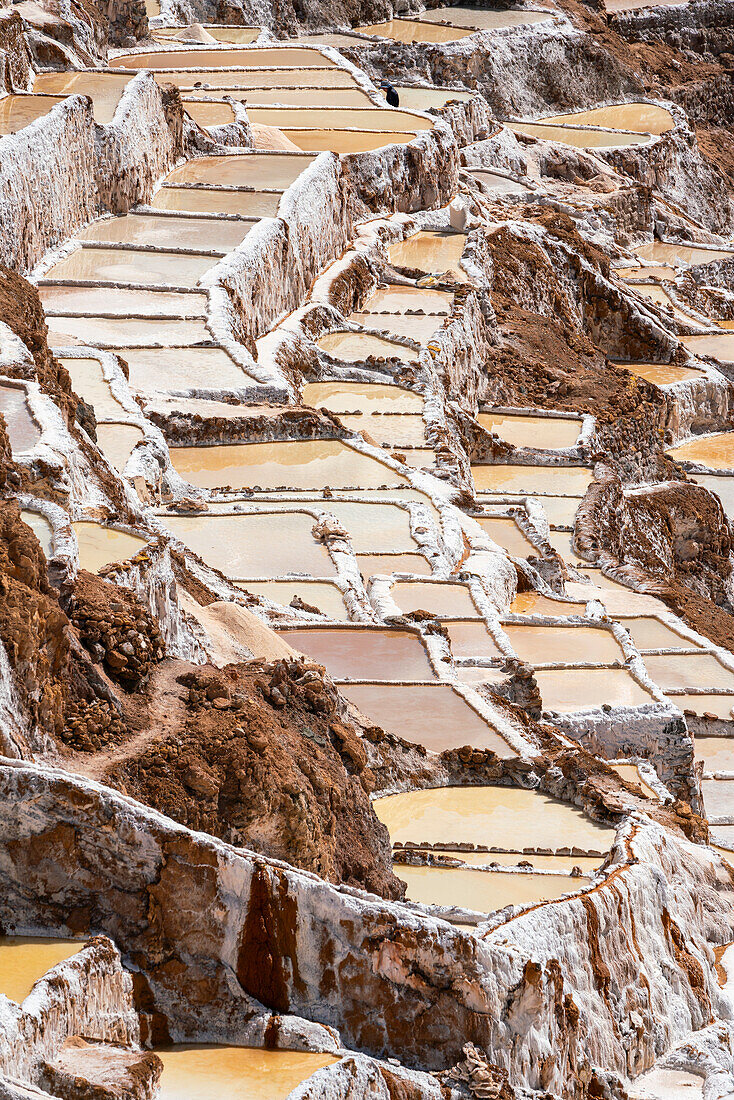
{"x": 367, "y": 550}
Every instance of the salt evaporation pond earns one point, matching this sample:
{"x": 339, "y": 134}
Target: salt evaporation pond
{"x": 483, "y": 19}
{"x": 716, "y": 451}
{"x": 41, "y": 528}
{"x": 373, "y": 528}
{"x": 124, "y": 265}
{"x": 405, "y": 430}
{"x": 506, "y": 533}
{"x": 432, "y": 715}
{"x": 377, "y": 119}
{"x": 723, "y": 487}
{"x": 537, "y": 862}
{"x": 439, "y": 597}
{"x": 470, "y": 638}
{"x": 666, "y": 1084}
{"x": 534, "y": 603}
{"x": 719, "y": 705}
{"x": 183, "y": 368}
{"x": 560, "y": 511}
{"x": 346, "y": 141}
{"x": 365, "y": 397}
{"x": 292, "y": 97}
{"x": 286, "y": 56}
{"x": 423, "y": 99}
{"x": 692, "y": 670}
{"x": 306, "y": 464}
{"x": 25, "y": 959}
{"x": 663, "y": 374}
{"x": 269, "y": 544}
{"x": 541, "y": 432}
{"x": 717, "y": 753}
{"x": 718, "y": 347}
{"x": 105, "y": 89}
{"x": 87, "y": 380}
{"x": 401, "y": 299}
{"x": 418, "y": 327}
{"x": 411, "y": 30}
{"x": 100, "y": 546}
{"x": 363, "y": 653}
{"x": 647, "y": 117}
{"x": 538, "y": 480}
{"x": 117, "y": 442}
{"x": 431, "y": 252}
{"x": 649, "y": 633}
{"x": 718, "y": 797}
{"x": 18, "y": 111}
{"x": 234, "y": 34}
{"x": 23, "y": 432}
{"x": 213, "y": 200}
{"x": 168, "y": 231}
{"x": 563, "y": 644}
{"x": 239, "y": 1073}
{"x": 322, "y": 595}
{"x": 125, "y": 302}
{"x": 578, "y": 137}
{"x": 206, "y": 83}
{"x": 570, "y": 689}
{"x": 682, "y": 255}
{"x": 491, "y": 181}
{"x": 371, "y": 565}
{"x": 270, "y": 170}
{"x": 110, "y": 332}
{"x": 506, "y": 817}
{"x": 353, "y": 347}
{"x": 483, "y": 891}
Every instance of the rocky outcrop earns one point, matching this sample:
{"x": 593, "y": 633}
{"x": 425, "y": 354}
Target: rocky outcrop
{"x": 94, "y": 1070}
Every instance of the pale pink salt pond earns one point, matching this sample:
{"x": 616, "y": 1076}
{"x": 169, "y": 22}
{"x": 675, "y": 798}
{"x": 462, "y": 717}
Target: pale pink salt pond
{"x": 362, "y": 653}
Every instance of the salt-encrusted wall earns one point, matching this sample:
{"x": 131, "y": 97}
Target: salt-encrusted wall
{"x": 607, "y": 978}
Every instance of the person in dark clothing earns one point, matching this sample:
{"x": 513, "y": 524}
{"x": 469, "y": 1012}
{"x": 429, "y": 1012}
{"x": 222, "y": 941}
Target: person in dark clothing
{"x": 391, "y": 94}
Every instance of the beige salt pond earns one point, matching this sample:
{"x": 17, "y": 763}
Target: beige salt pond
{"x": 661, "y": 297}
{"x": 536, "y": 480}
{"x": 124, "y": 265}
{"x": 649, "y": 633}
{"x": 716, "y": 451}
{"x": 75, "y": 299}
{"x": 717, "y": 753}
{"x": 104, "y": 89}
{"x": 491, "y": 181}
{"x": 418, "y": 327}
{"x": 533, "y": 603}
{"x": 430, "y": 252}
{"x": 100, "y": 546}
{"x": 506, "y": 533}
{"x": 561, "y": 864}
{"x": 567, "y": 689}
{"x": 423, "y": 99}
{"x": 406, "y": 430}
{"x": 88, "y": 381}
{"x": 183, "y": 368}
{"x": 239, "y": 35}
{"x": 483, "y": 891}
{"x": 323, "y": 595}
{"x": 25, "y": 959}
{"x": 630, "y": 774}
{"x": 681, "y": 255}
{"x": 371, "y": 565}
{"x": 722, "y": 486}
{"x": 663, "y": 1084}
{"x": 17, "y": 111}
{"x": 401, "y": 299}
{"x": 377, "y": 119}
{"x": 213, "y": 200}
{"x": 352, "y": 347}
{"x": 169, "y": 231}
{"x": 718, "y": 347}
{"x": 268, "y": 170}
{"x": 346, "y": 141}
{"x": 560, "y": 511}
{"x": 373, "y": 528}
{"x": 719, "y": 705}
{"x": 541, "y": 432}
{"x": 279, "y": 97}
{"x": 662, "y": 374}
{"x": 242, "y": 80}
{"x": 470, "y": 638}
{"x": 307, "y": 464}
{"x": 411, "y": 30}
{"x": 41, "y": 528}
{"x": 287, "y": 57}
{"x": 363, "y": 653}
{"x": 117, "y": 442}
{"x": 718, "y": 797}
{"x": 563, "y": 644}
{"x": 258, "y": 544}
{"x": 113, "y": 332}
{"x": 644, "y": 117}
{"x": 439, "y": 597}
{"x": 483, "y": 19}
{"x": 693, "y": 670}
{"x": 240, "y": 1073}
{"x": 507, "y": 817}
{"x": 578, "y": 137}
{"x": 364, "y": 397}
{"x": 23, "y": 431}
{"x": 432, "y": 715}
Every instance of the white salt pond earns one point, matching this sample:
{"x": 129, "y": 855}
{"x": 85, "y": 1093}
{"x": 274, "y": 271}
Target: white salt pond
{"x": 439, "y": 597}
{"x": 322, "y": 595}
{"x": 41, "y": 528}
{"x": 23, "y": 431}
{"x": 563, "y": 644}
{"x": 88, "y": 381}
{"x": 644, "y": 117}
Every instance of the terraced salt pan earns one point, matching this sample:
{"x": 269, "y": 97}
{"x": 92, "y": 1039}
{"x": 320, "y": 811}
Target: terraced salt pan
{"x": 578, "y": 137}
{"x": 100, "y": 546}
{"x": 718, "y": 797}
{"x": 415, "y": 326}
{"x": 168, "y": 231}
{"x": 482, "y": 891}
{"x": 537, "y": 480}
{"x": 307, "y": 464}
{"x": 112, "y": 332}
{"x": 124, "y": 265}
{"x": 538, "y": 862}
{"x": 694, "y": 670}
{"x": 117, "y": 442}
{"x": 630, "y": 774}
{"x": 541, "y": 432}
{"x": 17, "y": 111}
{"x": 287, "y": 57}
{"x": 560, "y": 511}
{"x": 718, "y": 347}
{"x": 624, "y": 116}
{"x": 183, "y": 368}
{"x": 239, "y": 1073}
{"x": 430, "y": 252}
{"x": 439, "y": 597}
{"x": 365, "y": 397}
{"x": 617, "y": 598}
{"x": 716, "y": 451}
{"x": 23, "y": 432}
{"x": 481, "y": 19}
{"x": 105, "y": 89}
{"x": 277, "y": 97}
{"x": 662, "y": 298}
{"x": 411, "y": 30}
{"x": 432, "y": 715}
{"x": 506, "y": 534}
{"x": 401, "y": 299}
{"x": 659, "y": 271}
{"x": 363, "y": 654}
{"x": 194, "y": 80}
{"x": 334, "y": 118}
{"x": 717, "y": 753}
{"x": 723, "y": 487}
{"x": 423, "y": 99}
{"x": 507, "y": 817}
{"x": 719, "y": 705}
{"x": 373, "y": 528}
{"x": 562, "y": 543}
{"x": 371, "y": 565}
{"x": 567, "y": 689}
{"x": 268, "y": 170}
{"x": 269, "y": 544}
{"x": 533, "y": 603}
{"x": 347, "y": 141}
{"x": 649, "y": 633}
{"x": 75, "y": 299}
{"x": 406, "y": 430}
{"x": 493, "y": 182}
{"x": 470, "y": 638}
{"x": 25, "y": 959}
{"x": 355, "y": 346}
{"x": 41, "y": 528}
{"x": 563, "y": 644}
{"x": 681, "y": 255}
{"x": 211, "y": 200}
{"x": 662, "y": 1084}
{"x": 239, "y": 35}
{"x": 662, "y": 374}
{"x": 322, "y": 595}
{"x": 88, "y": 381}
